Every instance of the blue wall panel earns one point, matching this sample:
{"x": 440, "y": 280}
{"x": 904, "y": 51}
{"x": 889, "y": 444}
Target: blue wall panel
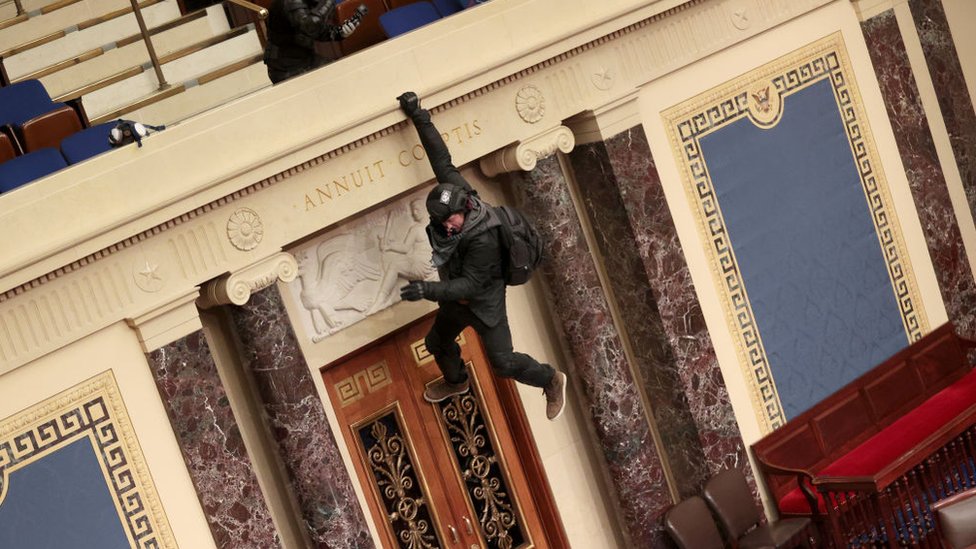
{"x": 806, "y": 246}
{"x": 60, "y": 500}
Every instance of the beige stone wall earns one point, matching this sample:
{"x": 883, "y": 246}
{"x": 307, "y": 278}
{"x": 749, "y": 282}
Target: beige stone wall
{"x": 125, "y": 234}
{"x": 116, "y": 349}
{"x": 962, "y": 23}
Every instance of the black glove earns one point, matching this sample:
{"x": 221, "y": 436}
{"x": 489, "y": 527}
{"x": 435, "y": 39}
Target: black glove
{"x": 409, "y": 103}
{"x": 415, "y": 291}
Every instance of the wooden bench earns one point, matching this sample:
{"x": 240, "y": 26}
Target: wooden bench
{"x": 861, "y": 460}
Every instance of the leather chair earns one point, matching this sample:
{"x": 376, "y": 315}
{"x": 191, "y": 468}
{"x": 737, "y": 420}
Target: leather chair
{"x": 7, "y": 149}
{"x": 955, "y": 517}
{"x": 48, "y": 129}
{"x": 691, "y": 526}
{"x": 729, "y": 496}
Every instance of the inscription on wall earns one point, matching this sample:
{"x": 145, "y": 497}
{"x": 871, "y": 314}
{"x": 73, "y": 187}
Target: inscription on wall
{"x": 339, "y": 185}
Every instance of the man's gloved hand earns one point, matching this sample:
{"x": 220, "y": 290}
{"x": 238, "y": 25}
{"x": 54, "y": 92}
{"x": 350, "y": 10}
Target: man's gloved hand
{"x": 351, "y": 24}
{"x": 415, "y": 291}
{"x": 409, "y": 103}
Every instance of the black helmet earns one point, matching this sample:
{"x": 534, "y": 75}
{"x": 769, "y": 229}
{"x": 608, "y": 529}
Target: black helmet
{"x": 446, "y": 199}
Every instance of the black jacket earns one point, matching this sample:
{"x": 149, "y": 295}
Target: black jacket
{"x": 473, "y": 273}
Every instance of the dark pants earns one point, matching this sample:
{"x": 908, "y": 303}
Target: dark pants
{"x": 452, "y": 318}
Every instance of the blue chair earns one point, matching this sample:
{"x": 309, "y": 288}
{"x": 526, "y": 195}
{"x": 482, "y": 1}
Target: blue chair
{"x": 27, "y": 105}
{"x": 22, "y": 101}
{"x": 26, "y": 168}
{"x": 447, "y": 7}
{"x": 407, "y": 18}
{"x": 87, "y": 143}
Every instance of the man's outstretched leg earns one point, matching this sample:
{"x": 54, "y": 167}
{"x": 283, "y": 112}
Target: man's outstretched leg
{"x": 441, "y": 344}
{"x": 522, "y": 367}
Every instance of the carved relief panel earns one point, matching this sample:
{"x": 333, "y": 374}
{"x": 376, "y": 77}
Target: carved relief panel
{"x": 355, "y": 271}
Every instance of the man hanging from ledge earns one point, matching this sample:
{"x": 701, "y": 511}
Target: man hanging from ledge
{"x": 293, "y": 28}
{"x": 467, "y": 251}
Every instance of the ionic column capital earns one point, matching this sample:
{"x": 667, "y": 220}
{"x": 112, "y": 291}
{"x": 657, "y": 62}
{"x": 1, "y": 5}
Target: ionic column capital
{"x": 525, "y": 154}
{"x": 236, "y": 288}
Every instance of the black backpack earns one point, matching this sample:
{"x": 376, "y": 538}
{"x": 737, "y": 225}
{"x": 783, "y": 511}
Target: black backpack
{"x": 522, "y": 243}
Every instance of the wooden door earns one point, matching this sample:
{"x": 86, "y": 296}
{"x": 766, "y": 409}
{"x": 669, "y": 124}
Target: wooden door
{"x": 444, "y": 475}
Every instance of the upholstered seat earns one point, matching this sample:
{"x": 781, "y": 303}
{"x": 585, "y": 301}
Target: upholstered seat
{"x": 956, "y": 519}
{"x": 87, "y": 143}
{"x": 691, "y": 526}
{"x": 407, "y": 18}
{"x": 447, "y": 7}
{"x": 22, "y": 101}
{"x": 28, "y": 103}
{"x": 48, "y": 129}
{"x": 28, "y": 167}
{"x": 728, "y": 494}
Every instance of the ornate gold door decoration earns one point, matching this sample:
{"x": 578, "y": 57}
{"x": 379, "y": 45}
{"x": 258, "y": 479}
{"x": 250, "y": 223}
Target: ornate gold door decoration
{"x": 478, "y": 462}
{"x": 401, "y": 491}
{"x": 445, "y": 475}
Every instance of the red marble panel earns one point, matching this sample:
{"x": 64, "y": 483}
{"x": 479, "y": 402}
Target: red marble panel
{"x": 918, "y": 153}
{"x": 666, "y": 271}
{"x": 306, "y": 444}
{"x": 600, "y": 367}
{"x": 212, "y": 445}
{"x": 598, "y": 178}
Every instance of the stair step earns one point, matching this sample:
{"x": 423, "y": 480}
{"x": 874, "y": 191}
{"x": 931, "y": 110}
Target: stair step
{"x": 32, "y": 8}
{"x": 100, "y": 34}
{"x": 211, "y": 90}
{"x": 99, "y": 64}
{"x": 188, "y": 64}
{"x": 56, "y": 21}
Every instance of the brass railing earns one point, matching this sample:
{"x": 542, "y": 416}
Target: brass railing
{"x": 149, "y": 45}
{"x": 256, "y": 15}
{"x": 242, "y": 12}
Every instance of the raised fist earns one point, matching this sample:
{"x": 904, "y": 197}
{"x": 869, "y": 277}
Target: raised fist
{"x": 409, "y": 103}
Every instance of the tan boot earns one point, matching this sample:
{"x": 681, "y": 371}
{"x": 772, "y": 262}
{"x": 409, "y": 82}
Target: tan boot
{"x": 555, "y": 396}
{"x": 442, "y": 390}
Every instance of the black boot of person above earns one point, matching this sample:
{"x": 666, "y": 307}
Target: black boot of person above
{"x": 464, "y": 233}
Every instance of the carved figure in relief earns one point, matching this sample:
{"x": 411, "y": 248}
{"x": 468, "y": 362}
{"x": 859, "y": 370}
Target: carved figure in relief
{"x": 466, "y": 237}
{"x": 329, "y": 283}
{"x": 406, "y": 258}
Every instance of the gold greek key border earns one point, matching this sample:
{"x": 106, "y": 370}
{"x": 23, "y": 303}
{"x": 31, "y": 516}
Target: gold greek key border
{"x": 420, "y": 354}
{"x": 697, "y": 117}
{"x": 92, "y": 410}
{"x": 365, "y": 381}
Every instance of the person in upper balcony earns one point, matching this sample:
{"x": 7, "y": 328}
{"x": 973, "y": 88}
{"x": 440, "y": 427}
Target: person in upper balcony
{"x": 464, "y": 233}
{"x": 294, "y": 26}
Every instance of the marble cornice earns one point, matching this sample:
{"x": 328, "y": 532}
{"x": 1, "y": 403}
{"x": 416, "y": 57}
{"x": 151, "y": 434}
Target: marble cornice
{"x": 190, "y": 247}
